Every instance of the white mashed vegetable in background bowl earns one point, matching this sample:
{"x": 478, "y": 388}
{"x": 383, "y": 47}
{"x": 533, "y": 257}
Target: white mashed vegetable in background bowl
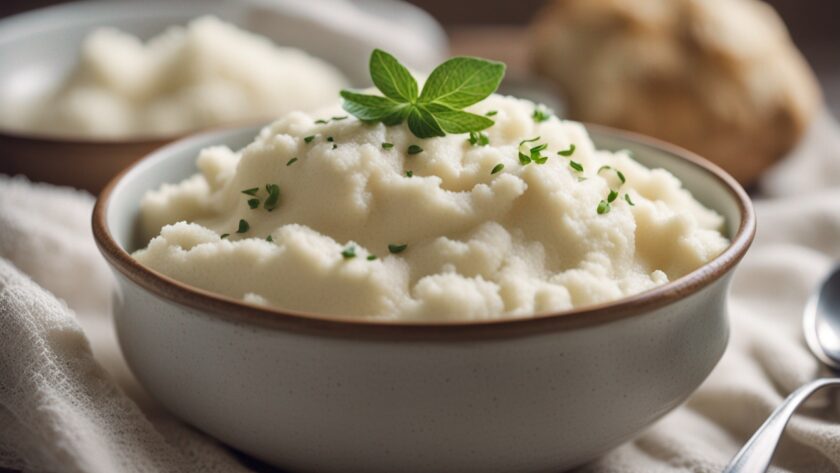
{"x": 189, "y": 77}
{"x": 320, "y": 214}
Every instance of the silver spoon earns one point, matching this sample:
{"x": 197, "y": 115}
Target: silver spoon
{"x": 822, "y": 333}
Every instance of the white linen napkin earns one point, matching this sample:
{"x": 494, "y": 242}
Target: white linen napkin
{"x": 65, "y": 407}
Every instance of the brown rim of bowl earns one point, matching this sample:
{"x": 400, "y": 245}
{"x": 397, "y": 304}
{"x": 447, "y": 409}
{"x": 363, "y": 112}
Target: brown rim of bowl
{"x": 149, "y": 140}
{"x": 237, "y": 311}
{"x": 89, "y": 141}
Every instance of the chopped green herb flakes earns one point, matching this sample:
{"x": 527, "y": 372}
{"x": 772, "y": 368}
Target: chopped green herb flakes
{"x": 567, "y": 152}
{"x": 529, "y": 140}
{"x": 273, "y": 197}
{"x": 617, "y": 172}
{"x": 478, "y": 138}
{"x": 541, "y": 114}
{"x": 394, "y": 248}
{"x": 603, "y": 207}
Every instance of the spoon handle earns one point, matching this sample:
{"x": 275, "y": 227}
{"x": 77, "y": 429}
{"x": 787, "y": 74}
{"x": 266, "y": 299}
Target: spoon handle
{"x": 756, "y": 455}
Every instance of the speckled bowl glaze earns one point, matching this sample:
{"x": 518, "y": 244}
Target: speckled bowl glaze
{"x": 312, "y": 393}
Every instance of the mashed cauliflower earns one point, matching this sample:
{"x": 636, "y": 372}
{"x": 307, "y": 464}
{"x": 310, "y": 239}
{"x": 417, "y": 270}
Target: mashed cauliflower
{"x": 204, "y": 74}
{"x": 367, "y": 230}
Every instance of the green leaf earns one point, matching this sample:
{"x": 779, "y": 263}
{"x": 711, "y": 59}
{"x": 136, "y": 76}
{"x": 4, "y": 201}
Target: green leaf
{"x": 397, "y": 115}
{"x": 497, "y": 168}
{"x": 368, "y": 107}
{"x": 391, "y": 77}
{"x": 462, "y": 81}
{"x": 423, "y": 124}
{"x": 457, "y": 121}
{"x": 453, "y": 85}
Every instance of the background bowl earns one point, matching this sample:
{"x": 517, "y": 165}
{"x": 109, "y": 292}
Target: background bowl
{"x": 38, "y": 50}
{"x": 312, "y": 393}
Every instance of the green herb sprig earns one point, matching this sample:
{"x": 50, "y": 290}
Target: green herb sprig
{"x": 438, "y": 108}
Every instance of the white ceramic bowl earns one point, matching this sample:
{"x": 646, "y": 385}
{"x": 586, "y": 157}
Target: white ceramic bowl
{"x": 312, "y": 393}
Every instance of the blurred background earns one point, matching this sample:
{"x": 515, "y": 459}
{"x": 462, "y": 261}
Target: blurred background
{"x": 738, "y": 81}
{"x": 497, "y": 28}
